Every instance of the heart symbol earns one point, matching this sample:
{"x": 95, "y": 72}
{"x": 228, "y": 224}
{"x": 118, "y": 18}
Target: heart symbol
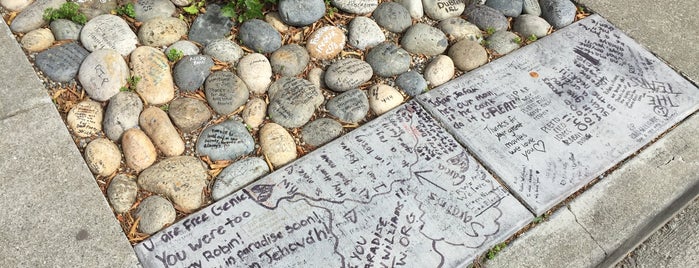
{"x": 540, "y": 146}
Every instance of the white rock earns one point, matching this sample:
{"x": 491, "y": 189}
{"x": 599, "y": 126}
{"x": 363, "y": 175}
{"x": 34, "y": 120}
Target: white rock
{"x": 439, "y": 71}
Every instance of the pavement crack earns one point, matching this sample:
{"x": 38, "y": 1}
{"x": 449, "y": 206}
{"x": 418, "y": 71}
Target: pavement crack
{"x": 586, "y": 231}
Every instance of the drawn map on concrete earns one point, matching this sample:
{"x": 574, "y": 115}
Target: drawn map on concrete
{"x": 552, "y": 116}
{"x": 398, "y": 191}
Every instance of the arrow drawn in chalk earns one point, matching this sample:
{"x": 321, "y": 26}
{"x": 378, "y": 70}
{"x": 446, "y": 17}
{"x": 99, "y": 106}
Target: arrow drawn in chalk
{"x": 420, "y": 178}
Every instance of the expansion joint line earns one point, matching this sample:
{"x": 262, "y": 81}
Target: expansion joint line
{"x": 586, "y": 231}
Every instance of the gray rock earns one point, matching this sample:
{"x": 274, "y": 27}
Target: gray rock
{"x": 156, "y": 86}
{"x": 32, "y": 17}
{"x": 61, "y": 63}
{"x": 256, "y": 72}
{"x": 15, "y": 5}
{"x": 443, "y": 9}
{"x": 148, "y": 9}
{"x": 468, "y": 55}
{"x": 210, "y": 26}
{"x": 559, "y": 13}
{"x": 301, "y": 12}
{"x": 191, "y": 71}
{"x": 321, "y": 131}
{"x": 122, "y": 193}
{"x": 414, "y": 7}
{"x": 289, "y": 60}
{"x": 94, "y": 8}
{"x": 259, "y": 36}
{"x": 188, "y": 114}
{"x": 180, "y": 178}
{"x": 293, "y": 101}
{"x": 365, "y": 33}
{"x": 102, "y": 74}
{"x": 224, "y": 50}
{"x": 351, "y": 106}
{"x": 439, "y": 71}
{"x": 458, "y": 29}
{"x": 108, "y": 32}
{"x": 486, "y": 17}
{"x": 238, "y": 175}
{"x": 503, "y": 42}
{"x": 225, "y": 92}
{"x": 155, "y": 213}
{"x": 65, "y": 29}
{"x": 162, "y": 31}
{"x": 225, "y": 141}
{"x": 122, "y": 113}
{"x": 412, "y": 83}
{"x": 387, "y": 59}
{"x": 528, "y": 25}
{"x": 510, "y": 8}
{"x": 346, "y": 74}
{"x": 102, "y": 156}
{"x": 317, "y": 77}
{"x": 531, "y": 7}
{"x": 424, "y": 39}
{"x": 392, "y": 16}
{"x": 186, "y": 47}
{"x": 359, "y": 7}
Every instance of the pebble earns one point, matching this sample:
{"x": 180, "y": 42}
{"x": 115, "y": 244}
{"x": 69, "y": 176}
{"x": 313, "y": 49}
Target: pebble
{"x": 317, "y": 77}
{"x": 149, "y": 9}
{"x": 503, "y": 42}
{"x": 424, "y": 39}
{"x": 326, "y": 42}
{"x": 32, "y": 17}
{"x": 224, "y": 50}
{"x": 458, "y": 29}
{"x": 351, "y": 106}
{"x": 259, "y": 36}
{"x": 181, "y": 179}
{"x": 443, "y": 9}
{"x": 191, "y": 71}
{"x": 321, "y": 131}
{"x": 559, "y": 13}
{"x": 102, "y": 157}
{"x": 301, "y": 12}
{"x": 414, "y": 7}
{"x": 181, "y": 3}
{"x": 139, "y": 151}
{"x": 185, "y": 46}
{"x": 392, "y": 16}
{"x": 210, "y": 26}
{"x": 254, "y": 112}
{"x": 387, "y": 59}
{"x": 225, "y": 141}
{"x": 65, "y": 29}
{"x": 468, "y": 55}
{"x": 289, "y": 60}
{"x": 162, "y": 31}
{"x": 15, "y": 5}
{"x": 277, "y": 144}
{"x": 103, "y": 73}
{"x": 510, "y": 8}
{"x": 383, "y": 98}
{"x": 486, "y": 17}
{"x": 274, "y": 19}
{"x": 528, "y": 25}
{"x": 188, "y": 114}
{"x": 122, "y": 113}
{"x": 157, "y": 125}
{"x": 155, "y": 213}
{"x": 108, "y": 32}
{"x": 439, "y": 71}
{"x": 237, "y": 175}
{"x": 412, "y": 83}
{"x": 225, "y": 92}
{"x": 364, "y": 33}
{"x": 358, "y": 7}
{"x": 122, "y": 193}
{"x": 85, "y": 118}
{"x": 61, "y": 63}
{"x": 346, "y": 74}
{"x": 293, "y": 101}
{"x": 256, "y": 71}
{"x": 94, "y": 8}
{"x": 531, "y": 7}
{"x": 156, "y": 84}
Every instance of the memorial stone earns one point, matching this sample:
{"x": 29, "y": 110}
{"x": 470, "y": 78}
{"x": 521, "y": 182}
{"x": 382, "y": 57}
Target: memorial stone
{"x": 61, "y": 63}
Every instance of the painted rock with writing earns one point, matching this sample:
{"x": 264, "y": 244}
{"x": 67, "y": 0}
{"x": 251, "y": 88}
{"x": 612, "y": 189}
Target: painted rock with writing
{"x": 468, "y": 55}
{"x": 155, "y": 213}
{"x": 510, "y": 8}
{"x": 210, "y": 26}
{"x": 277, "y": 144}
{"x": 320, "y": 131}
{"x": 359, "y": 7}
{"x": 259, "y": 36}
{"x": 528, "y": 25}
{"x": 424, "y": 39}
{"x": 326, "y": 42}
{"x": 486, "y": 17}
{"x": 503, "y": 42}
{"x": 15, "y": 5}
{"x": 226, "y": 141}
{"x": 191, "y": 71}
{"x": 289, "y": 60}
{"x": 559, "y": 13}
{"x": 383, "y": 98}
{"x": 293, "y": 101}
{"x": 256, "y": 71}
{"x": 188, "y": 114}
{"x": 37, "y": 40}
{"x": 392, "y": 16}
{"x": 439, "y": 71}
{"x": 149, "y": 9}
{"x": 531, "y": 7}
{"x": 162, "y": 31}
{"x": 365, "y": 33}
{"x": 458, "y": 29}
{"x": 254, "y": 112}
{"x": 85, "y": 119}
{"x": 122, "y": 113}
{"x": 301, "y": 12}
{"x": 108, "y": 32}
{"x": 225, "y": 92}
{"x": 157, "y": 125}
{"x": 442, "y": 9}
{"x": 414, "y": 7}
{"x": 346, "y": 74}
{"x": 64, "y": 29}
{"x": 237, "y": 175}
{"x": 122, "y": 192}
{"x": 351, "y": 106}
{"x": 181, "y": 179}
{"x": 224, "y": 50}
{"x": 387, "y": 59}
{"x": 61, "y": 63}
{"x": 139, "y": 151}
{"x": 102, "y": 157}
{"x": 412, "y": 83}
{"x": 156, "y": 84}
{"x": 32, "y": 17}
{"x": 103, "y": 73}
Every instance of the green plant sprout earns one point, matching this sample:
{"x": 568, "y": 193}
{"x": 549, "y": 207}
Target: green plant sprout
{"x": 490, "y": 30}
{"x": 242, "y": 10}
{"x": 131, "y": 83}
{"x": 174, "y": 55}
{"x": 495, "y": 250}
{"x": 194, "y": 7}
{"x": 532, "y": 38}
{"x": 517, "y": 40}
{"x": 68, "y": 10}
{"x": 127, "y": 10}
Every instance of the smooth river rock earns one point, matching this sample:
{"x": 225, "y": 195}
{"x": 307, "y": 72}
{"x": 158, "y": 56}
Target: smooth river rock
{"x": 351, "y": 106}
{"x": 559, "y": 13}
{"x": 383, "y": 98}
{"x": 225, "y": 141}
{"x": 103, "y": 73}
{"x": 122, "y": 113}
{"x": 277, "y": 144}
{"x": 149, "y": 9}
{"x": 392, "y": 16}
{"x": 387, "y": 59}
{"x": 256, "y": 71}
{"x": 108, "y": 32}
{"x": 424, "y": 39}
{"x": 326, "y": 42}
{"x": 224, "y": 50}
{"x": 237, "y": 176}
{"x": 289, "y": 60}
{"x": 157, "y": 125}
{"x": 191, "y": 71}
{"x": 32, "y": 17}
{"x": 225, "y": 92}
{"x": 102, "y": 157}
{"x": 364, "y": 33}
{"x": 188, "y": 114}
{"x": 85, "y": 118}
{"x": 301, "y": 12}
{"x": 259, "y": 36}
{"x": 359, "y": 7}
{"x": 122, "y": 193}
{"x": 439, "y": 71}
{"x": 61, "y": 63}
{"x": 156, "y": 85}
{"x": 139, "y": 151}
{"x": 442, "y": 9}
{"x": 37, "y": 40}
{"x": 293, "y": 101}
{"x": 154, "y": 212}
{"x": 458, "y": 29}
{"x": 64, "y": 29}
{"x": 320, "y": 131}
{"x": 182, "y": 179}
{"x": 486, "y": 17}
{"x": 162, "y": 31}
{"x": 346, "y": 74}
{"x": 528, "y": 25}
{"x": 254, "y": 112}
{"x": 210, "y": 26}
{"x": 468, "y": 55}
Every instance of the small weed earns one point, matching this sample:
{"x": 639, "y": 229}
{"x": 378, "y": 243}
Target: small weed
{"x": 490, "y": 31}
{"x": 165, "y": 107}
{"x": 517, "y": 40}
{"x": 68, "y": 10}
{"x": 242, "y": 10}
{"x": 126, "y": 10}
{"x": 174, "y": 55}
{"x": 248, "y": 127}
{"x": 193, "y": 9}
{"x": 485, "y": 43}
{"x": 495, "y": 250}
{"x": 330, "y": 8}
{"x": 131, "y": 83}
{"x": 540, "y": 219}
{"x": 532, "y": 38}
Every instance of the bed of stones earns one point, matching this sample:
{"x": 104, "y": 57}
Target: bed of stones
{"x": 166, "y": 138}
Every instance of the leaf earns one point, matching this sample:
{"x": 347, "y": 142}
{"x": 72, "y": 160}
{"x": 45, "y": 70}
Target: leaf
{"x": 228, "y": 10}
{"x": 193, "y": 9}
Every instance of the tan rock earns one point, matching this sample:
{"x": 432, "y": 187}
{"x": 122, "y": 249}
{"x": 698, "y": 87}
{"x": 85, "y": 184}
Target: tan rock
{"x": 155, "y": 85}
{"x": 122, "y": 193}
{"x": 326, "y": 42}
{"x": 255, "y": 112}
{"x": 139, "y": 151}
{"x": 37, "y": 40}
{"x": 162, "y": 132}
{"x": 181, "y": 178}
{"x": 85, "y": 119}
{"x": 277, "y": 144}
{"x": 102, "y": 157}
{"x": 383, "y": 98}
